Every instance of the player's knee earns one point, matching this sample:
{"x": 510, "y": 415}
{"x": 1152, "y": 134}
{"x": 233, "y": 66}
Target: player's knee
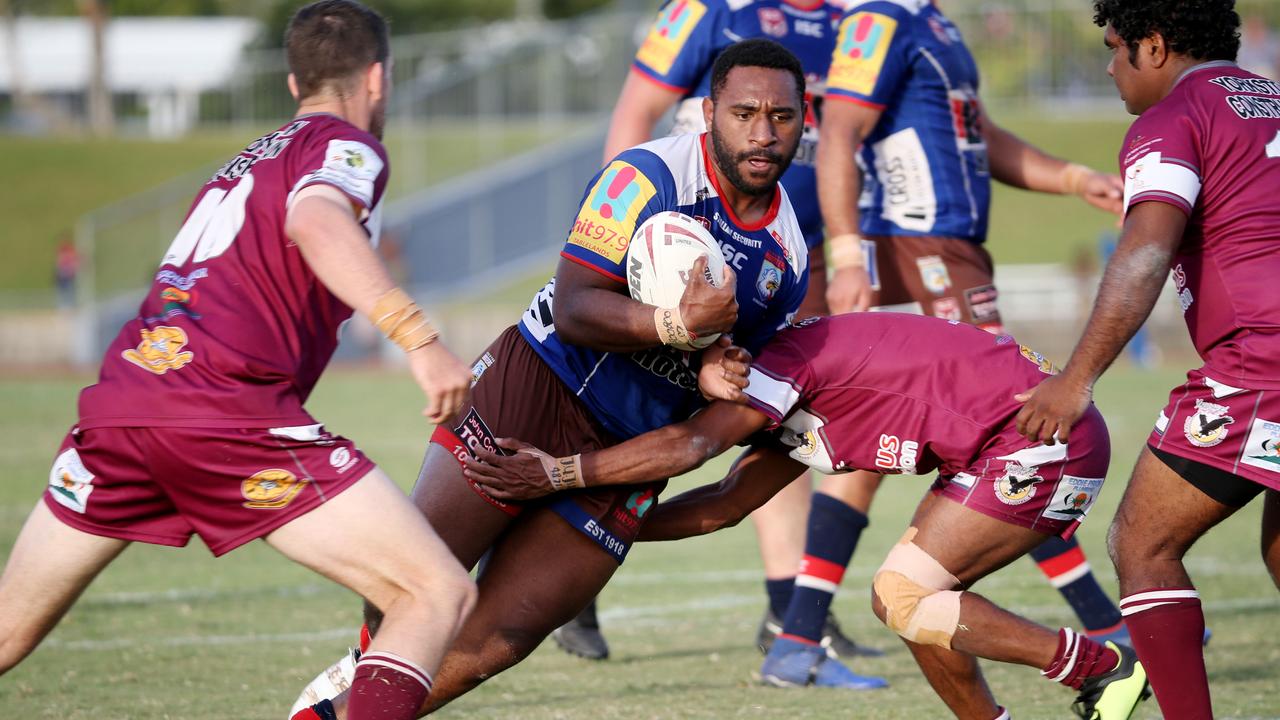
{"x": 913, "y": 595}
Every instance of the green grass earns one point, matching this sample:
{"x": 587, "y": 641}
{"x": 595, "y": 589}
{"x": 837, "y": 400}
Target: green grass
{"x": 171, "y": 634}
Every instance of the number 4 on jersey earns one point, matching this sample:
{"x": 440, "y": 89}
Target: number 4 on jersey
{"x": 212, "y": 225}
{"x": 1273, "y": 147}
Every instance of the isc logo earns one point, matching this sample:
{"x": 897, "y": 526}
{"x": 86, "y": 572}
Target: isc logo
{"x": 895, "y": 454}
{"x": 809, "y": 27}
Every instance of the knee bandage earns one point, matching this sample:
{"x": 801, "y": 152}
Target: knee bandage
{"x": 919, "y": 601}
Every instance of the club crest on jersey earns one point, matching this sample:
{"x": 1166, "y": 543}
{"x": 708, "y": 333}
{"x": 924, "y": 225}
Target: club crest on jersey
{"x": 70, "y": 482}
{"x": 1072, "y": 498}
{"x": 672, "y": 29}
{"x": 773, "y": 22}
{"x": 270, "y": 489}
{"x": 1207, "y": 426}
{"x": 1018, "y": 485}
{"x": 160, "y": 350}
{"x": 1262, "y": 448}
{"x": 933, "y": 273}
{"x": 1040, "y": 361}
{"x": 770, "y": 277}
{"x": 861, "y": 49}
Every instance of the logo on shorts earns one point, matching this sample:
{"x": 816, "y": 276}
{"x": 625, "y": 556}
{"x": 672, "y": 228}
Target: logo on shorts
{"x": 1043, "y": 363}
{"x": 270, "y": 489}
{"x": 933, "y": 273}
{"x": 70, "y": 482}
{"x": 473, "y": 432}
{"x": 160, "y": 350}
{"x": 982, "y": 302}
{"x": 1262, "y": 449}
{"x": 1207, "y": 426}
{"x": 1018, "y": 484}
{"x": 807, "y": 445}
{"x": 1072, "y": 498}
{"x": 484, "y": 363}
{"x": 640, "y": 502}
{"x": 342, "y": 460}
{"x": 947, "y": 308}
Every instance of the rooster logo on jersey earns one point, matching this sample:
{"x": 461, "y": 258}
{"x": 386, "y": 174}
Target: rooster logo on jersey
{"x": 160, "y": 350}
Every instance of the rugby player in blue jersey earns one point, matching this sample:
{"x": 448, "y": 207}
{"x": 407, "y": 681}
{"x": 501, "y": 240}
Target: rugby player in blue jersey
{"x": 588, "y": 367}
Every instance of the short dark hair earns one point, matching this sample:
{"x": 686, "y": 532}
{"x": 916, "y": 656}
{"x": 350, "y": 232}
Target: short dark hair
{"x": 1202, "y": 29}
{"x": 756, "y": 52}
{"x": 328, "y": 42}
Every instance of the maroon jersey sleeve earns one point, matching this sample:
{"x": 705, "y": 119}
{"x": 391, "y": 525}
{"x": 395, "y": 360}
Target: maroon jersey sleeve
{"x": 778, "y": 379}
{"x": 1161, "y": 160}
{"x": 351, "y": 161}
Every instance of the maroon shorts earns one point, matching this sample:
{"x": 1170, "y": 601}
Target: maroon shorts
{"x": 1048, "y": 488}
{"x": 1236, "y": 430}
{"x": 517, "y": 395}
{"x": 161, "y": 484}
{"x": 946, "y": 278}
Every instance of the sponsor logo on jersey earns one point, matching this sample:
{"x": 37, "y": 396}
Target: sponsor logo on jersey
{"x": 934, "y": 274}
{"x": 1072, "y": 498}
{"x": 342, "y": 459}
{"x": 350, "y": 165}
{"x": 1180, "y": 285}
{"x": 1207, "y": 426}
{"x": 966, "y": 117}
{"x": 947, "y": 308}
{"x": 175, "y": 302}
{"x": 770, "y": 277}
{"x": 1039, "y": 360}
{"x": 668, "y": 363}
{"x": 982, "y": 303}
{"x": 160, "y": 350}
{"x": 70, "y": 482}
{"x": 670, "y": 32}
{"x": 609, "y": 216}
{"x": 270, "y": 489}
{"x": 895, "y": 454}
{"x": 861, "y": 48}
{"x": 1262, "y": 448}
{"x": 1018, "y": 484}
{"x": 773, "y": 22}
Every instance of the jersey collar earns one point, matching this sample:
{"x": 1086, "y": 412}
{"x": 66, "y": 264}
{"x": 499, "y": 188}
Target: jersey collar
{"x": 769, "y": 214}
{"x": 1212, "y": 64}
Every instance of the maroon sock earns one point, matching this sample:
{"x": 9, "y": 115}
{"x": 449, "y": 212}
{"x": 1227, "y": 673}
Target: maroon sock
{"x": 387, "y": 687}
{"x": 1167, "y": 627}
{"x": 1079, "y": 658}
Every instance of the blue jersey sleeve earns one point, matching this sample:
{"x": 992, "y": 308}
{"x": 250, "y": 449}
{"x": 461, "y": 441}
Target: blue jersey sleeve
{"x": 682, "y": 43}
{"x": 873, "y": 51}
{"x": 619, "y": 199}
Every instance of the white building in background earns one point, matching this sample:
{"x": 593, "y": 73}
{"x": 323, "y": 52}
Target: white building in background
{"x": 166, "y": 62}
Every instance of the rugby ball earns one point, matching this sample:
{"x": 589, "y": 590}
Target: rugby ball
{"x": 659, "y": 259}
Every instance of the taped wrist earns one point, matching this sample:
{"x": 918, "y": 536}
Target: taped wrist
{"x": 671, "y": 329}
{"x": 1074, "y": 177}
{"x": 845, "y": 251}
{"x": 564, "y": 473}
{"x": 397, "y": 316}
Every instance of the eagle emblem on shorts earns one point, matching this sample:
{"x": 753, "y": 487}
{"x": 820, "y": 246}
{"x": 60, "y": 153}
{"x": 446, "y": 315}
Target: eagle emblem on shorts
{"x": 1018, "y": 485}
{"x": 270, "y": 489}
{"x": 1207, "y": 426}
{"x": 160, "y": 350}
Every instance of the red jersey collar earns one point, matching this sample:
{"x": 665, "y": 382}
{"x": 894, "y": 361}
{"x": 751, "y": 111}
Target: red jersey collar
{"x": 769, "y": 214}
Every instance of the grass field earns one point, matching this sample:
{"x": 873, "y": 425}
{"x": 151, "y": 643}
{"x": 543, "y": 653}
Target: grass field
{"x": 169, "y": 633}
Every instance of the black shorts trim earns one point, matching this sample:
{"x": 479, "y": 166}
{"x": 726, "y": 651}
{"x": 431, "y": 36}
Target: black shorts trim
{"x": 1220, "y": 485}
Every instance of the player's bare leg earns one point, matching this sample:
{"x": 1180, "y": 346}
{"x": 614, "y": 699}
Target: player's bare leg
{"x": 1271, "y": 535}
{"x": 51, "y": 564}
{"x": 372, "y": 540}
{"x": 1159, "y": 518}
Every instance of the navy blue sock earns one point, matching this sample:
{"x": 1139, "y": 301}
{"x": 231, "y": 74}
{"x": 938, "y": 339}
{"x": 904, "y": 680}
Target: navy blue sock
{"x": 834, "y": 529}
{"x": 779, "y": 594}
{"x": 1064, "y": 563}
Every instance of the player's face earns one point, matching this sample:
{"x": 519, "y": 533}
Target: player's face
{"x": 1135, "y": 83}
{"x": 755, "y": 125}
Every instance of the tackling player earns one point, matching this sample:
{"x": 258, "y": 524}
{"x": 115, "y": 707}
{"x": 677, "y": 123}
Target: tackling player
{"x": 673, "y": 68}
{"x": 1201, "y": 166}
{"x": 588, "y": 366}
{"x": 892, "y": 393}
{"x": 904, "y": 170}
{"x": 197, "y": 426}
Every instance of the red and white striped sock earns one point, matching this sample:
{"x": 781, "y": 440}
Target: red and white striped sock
{"x": 1079, "y": 658}
{"x": 1167, "y": 627}
{"x": 387, "y": 687}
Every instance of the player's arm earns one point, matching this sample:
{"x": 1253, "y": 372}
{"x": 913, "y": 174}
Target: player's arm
{"x": 845, "y": 125}
{"x": 1016, "y": 162}
{"x": 640, "y": 106}
{"x": 1132, "y": 283}
{"x": 321, "y": 220}
{"x": 595, "y": 311}
{"x": 658, "y": 454}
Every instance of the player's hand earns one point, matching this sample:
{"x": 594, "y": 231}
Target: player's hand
{"x": 1051, "y": 408}
{"x": 705, "y": 308}
{"x": 1104, "y": 191}
{"x": 519, "y": 476}
{"x": 444, "y": 379}
{"x": 724, "y": 370}
{"x": 849, "y": 290}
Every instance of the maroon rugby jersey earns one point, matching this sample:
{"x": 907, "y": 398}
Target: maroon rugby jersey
{"x": 236, "y": 329}
{"x": 1211, "y": 148}
{"x": 891, "y": 392}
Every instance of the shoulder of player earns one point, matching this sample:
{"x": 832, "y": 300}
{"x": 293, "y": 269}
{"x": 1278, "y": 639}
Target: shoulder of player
{"x": 785, "y": 230}
{"x": 323, "y": 129}
{"x": 650, "y": 160}
{"x": 900, "y": 10}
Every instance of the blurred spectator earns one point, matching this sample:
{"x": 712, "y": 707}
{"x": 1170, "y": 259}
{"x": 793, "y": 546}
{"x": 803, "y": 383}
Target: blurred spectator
{"x": 65, "y": 267}
{"x": 1259, "y": 48}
